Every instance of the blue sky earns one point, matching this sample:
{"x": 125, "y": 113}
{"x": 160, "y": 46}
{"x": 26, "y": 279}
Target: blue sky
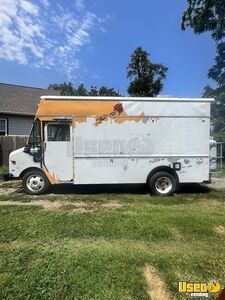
{"x": 46, "y": 41}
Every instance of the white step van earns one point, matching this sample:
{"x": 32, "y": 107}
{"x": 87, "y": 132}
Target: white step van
{"x": 117, "y": 140}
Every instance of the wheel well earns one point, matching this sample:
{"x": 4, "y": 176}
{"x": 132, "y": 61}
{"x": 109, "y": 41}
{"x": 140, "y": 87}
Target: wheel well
{"x": 28, "y": 170}
{"x": 161, "y": 169}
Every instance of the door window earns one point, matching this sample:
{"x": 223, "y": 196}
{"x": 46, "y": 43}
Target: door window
{"x": 35, "y": 135}
{"x": 58, "y": 132}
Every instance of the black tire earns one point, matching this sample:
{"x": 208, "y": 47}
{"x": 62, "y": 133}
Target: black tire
{"x": 163, "y": 183}
{"x": 40, "y": 187}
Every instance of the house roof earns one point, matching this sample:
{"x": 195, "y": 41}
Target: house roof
{"x": 21, "y": 100}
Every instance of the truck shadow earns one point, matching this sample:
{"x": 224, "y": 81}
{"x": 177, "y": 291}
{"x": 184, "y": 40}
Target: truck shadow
{"x": 139, "y": 189}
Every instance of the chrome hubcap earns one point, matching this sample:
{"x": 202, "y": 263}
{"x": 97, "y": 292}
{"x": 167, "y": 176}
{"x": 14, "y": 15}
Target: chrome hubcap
{"x": 35, "y": 183}
{"x": 163, "y": 185}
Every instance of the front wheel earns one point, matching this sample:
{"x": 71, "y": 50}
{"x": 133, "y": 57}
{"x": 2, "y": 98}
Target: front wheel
{"x": 163, "y": 184}
{"x": 35, "y": 182}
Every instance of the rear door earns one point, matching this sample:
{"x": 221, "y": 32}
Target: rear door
{"x": 58, "y": 150}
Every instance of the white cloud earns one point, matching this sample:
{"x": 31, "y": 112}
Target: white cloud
{"x": 29, "y": 7}
{"x": 79, "y": 4}
{"x": 27, "y": 36}
{"x": 45, "y": 3}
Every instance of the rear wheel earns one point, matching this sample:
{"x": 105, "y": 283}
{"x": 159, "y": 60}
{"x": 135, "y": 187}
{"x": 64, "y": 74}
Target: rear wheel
{"x": 163, "y": 183}
{"x": 35, "y": 183}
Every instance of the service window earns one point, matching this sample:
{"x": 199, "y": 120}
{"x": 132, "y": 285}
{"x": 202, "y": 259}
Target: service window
{"x": 3, "y": 126}
{"x": 58, "y": 132}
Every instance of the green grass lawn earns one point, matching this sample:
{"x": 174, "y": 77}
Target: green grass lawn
{"x": 96, "y": 246}
{"x": 3, "y": 170}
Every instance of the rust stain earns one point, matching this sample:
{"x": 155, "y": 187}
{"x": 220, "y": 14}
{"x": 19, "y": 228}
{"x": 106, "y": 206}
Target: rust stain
{"x": 118, "y": 115}
{"x": 118, "y": 108}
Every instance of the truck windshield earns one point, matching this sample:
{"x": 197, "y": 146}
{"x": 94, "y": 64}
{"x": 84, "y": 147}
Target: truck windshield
{"x": 35, "y": 135}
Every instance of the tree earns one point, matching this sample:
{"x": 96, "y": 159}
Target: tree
{"x": 146, "y": 77}
{"x": 67, "y": 89}
{"x": 217, "y": 72}
{"x": 104, "y": 91}
{"x": 218, "y": 110}
{"x": 205, "y": 15}
{"x": 81, "y": 90}
{"x": 94, "y": 91}
{"x": 209, "y": 16}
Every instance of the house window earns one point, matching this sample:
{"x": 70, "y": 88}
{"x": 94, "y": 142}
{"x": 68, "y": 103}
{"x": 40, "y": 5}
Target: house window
{"x": 3, "y": 126}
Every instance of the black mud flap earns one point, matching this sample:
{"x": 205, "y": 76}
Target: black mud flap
{"x": 8, "y": 177}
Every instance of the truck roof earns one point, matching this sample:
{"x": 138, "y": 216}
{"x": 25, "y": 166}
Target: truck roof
{"x": 152, "y": 99}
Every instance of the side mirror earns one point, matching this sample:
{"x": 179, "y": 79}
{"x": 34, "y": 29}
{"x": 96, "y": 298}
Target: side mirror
{"x": 34, "y": 150}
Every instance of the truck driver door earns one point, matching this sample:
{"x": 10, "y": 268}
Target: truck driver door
{"x": 58, "y": 150}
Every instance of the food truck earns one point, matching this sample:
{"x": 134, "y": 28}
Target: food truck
{"x": 161, "y": 142}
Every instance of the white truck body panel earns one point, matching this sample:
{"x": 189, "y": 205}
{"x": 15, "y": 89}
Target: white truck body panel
{"x": 58, "y": 158}
{"x": 152, "y": 132}
{"x": 127, "y": 152}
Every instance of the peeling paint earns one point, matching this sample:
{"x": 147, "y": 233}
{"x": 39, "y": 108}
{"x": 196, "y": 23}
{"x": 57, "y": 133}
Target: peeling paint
{"x": 118, "y": 115}
{"x": 51, "y": 177}
{"x": 186, "y": 161}
{"x": 146, "y": 120}
{"x": 199, "y": 162}
{"x": 154, "y": 119}
{"x": 156, "y": 160}
{"x": 104, "y": 111}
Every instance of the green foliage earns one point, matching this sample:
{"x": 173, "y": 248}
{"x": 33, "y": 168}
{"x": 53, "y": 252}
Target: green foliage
{"x": 218, "y": 108}
{"x": 3, "y": 171}
{"x": 209, "y": 15}
{"x": 67, "y": 89}
{"x": 80, "y": 91}
{"x": 104, "y": 91}
{"x": 205, "y": 15}
{"x": 146, "y": 77}
{"x": 217, "y": 72}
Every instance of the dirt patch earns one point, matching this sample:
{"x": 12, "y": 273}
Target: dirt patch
{"x": 80, "y": 204}
{"x": 111, "y": 205}
{"x": 10, "y": 187}
{"x": 83, "y": 210}
{"x": 156, "y": 287}
{"x": 219, "y": 229}
{"x": 43, "y": 203}
{"x": 81, "y": 207}
{"x": 177, "y": 234}
{"x": 217, "y": 183}
{"x": 10, "y": 244}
